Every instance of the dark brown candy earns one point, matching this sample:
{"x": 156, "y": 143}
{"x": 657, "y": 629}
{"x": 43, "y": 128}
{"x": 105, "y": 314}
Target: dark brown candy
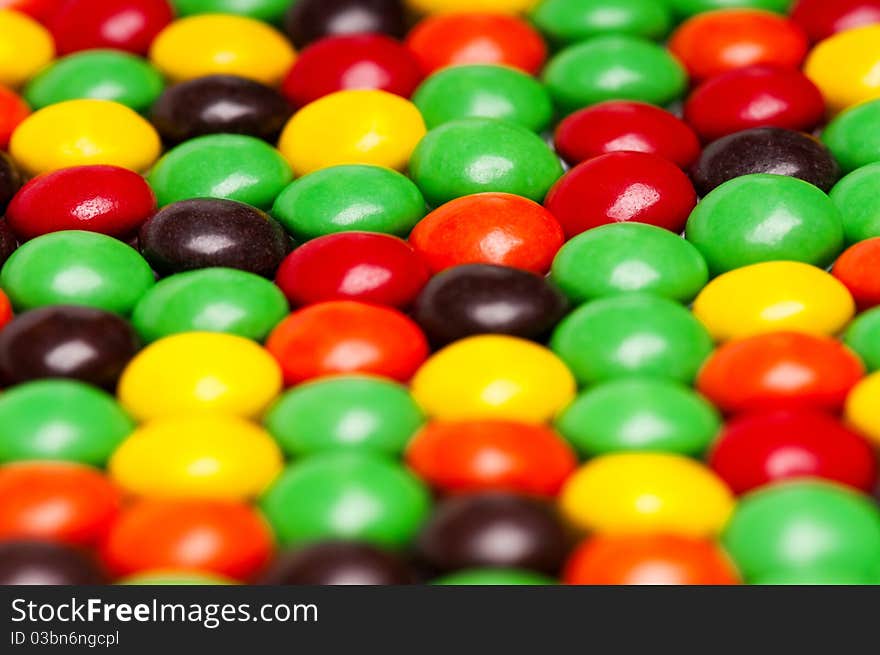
{"x": 208, "y": 232}
{"x": 338, "y": 563}
{"x": 42, "y": 563}
{"x": 219, "y": 104}
{"x": 10, "y": 181}
{"x": 8, "y": 242}
{"x": 486, "y": 299}
{"x": 770, "y": 150}
{"x": 82, "y": 343}
{"x": 310, "y": 20}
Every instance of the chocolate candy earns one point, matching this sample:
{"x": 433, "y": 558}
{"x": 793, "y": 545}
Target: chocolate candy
{"x": 765, "y": 150}
{"x": 8, "y": 243}
{"x": 10, "y": 180}
{"x": 338, "y": 563}
{"x": 219, "y": 103}
{"x": 82, "y": 343}
{"x": 41, "y": 563}
{"x": 207, "y": 232}
{"x": 310, "y": 20}
{"x": 481, "y": 298}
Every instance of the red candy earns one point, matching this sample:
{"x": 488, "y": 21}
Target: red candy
{"x": 620, "y": 125}
{"x": 859, "y": 270}
{"x": 372, "y": 268}
{"x": 338, "y": 63}
{"x": 13, "y": 110}
{"x": 347, "y": 337}
{"x": 489, "y": 228}
{"x": 455, "y": 39}
{"x": 780, "y": 369}
{"x": 129, "y": 25}
{"x": 5, "y": 309}
{"x": 823, "y": 18}
{"x": 757, "y": 449}
{"x": 491, "y": 456}
{"x": 226, "y": 538}
{"x": 758, "y": 96}
{"x": 56, "y": 501}
{"x": 105, "y": 199}
{"x": 723, "y": 40}
{"x": 622, "y": 186}
{"x": 39, "y": 9}
{"x": 649, "y": 560}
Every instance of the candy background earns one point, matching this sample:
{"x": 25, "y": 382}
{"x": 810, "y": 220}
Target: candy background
{"x": 486, "y": 292}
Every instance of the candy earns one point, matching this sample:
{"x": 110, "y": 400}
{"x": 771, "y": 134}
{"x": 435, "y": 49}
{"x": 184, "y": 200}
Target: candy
{"x": 769, "y": 150}
{"x": 311, "y": 20}
{"x": 172, "y": 578}
{"x": 804, "y": 526}
{"x": 491, "y": 455}
{"x": 772, "y": 297}
{"x": 645, "y": 493}
{"x": 762, "y": 218}
{"x": 40, "y": 563}
{"x": 373, "y": 268}
{"x": 862, "y": 407}
{"x": 13, "y": 110}
{"x": 352, "y": 127}
{"x": 205, "y": 232}
{"x": 129, "y": 25}
{"x": 820, "y": 19}
{"x": 859, "y": 208}
{"x": 267, "y": 10}
{"x": 761, "y": 448}
{"x": 25, "y": 48}
{"x": 106, "y": 199}
{"x": 209, "y": 300}
{"x": 492, "y": 530}
{"x": 340, "y": 63}
{"x": 5, "y": 310}
{"x": 476, "y": 155}
{"x": 338, "y": 563}
{"x": 482, "y": 299}
{"x": 842, "y": 66}
{"x": 221, "y": 44}
{"x": 477, "y": 38}
{"x": 861, "y": 337}
{"x": 857, "y": 268}
{"x": 618, "y": 125}
{"x": 199, "y": 371}
{"x": 693, "y": 7}
{"x": 39, "y": 9}
{"x": 649, "y": 560}
{"x": 345, "y": 336}
{"x": 628, "y": 257}
{"x": 60, "y": 341}
{"x": 631, "y": 335}
{"x": 619, "y": 187}
{"x": 494, "y": 576}
{"x": 156, "y": 535}
{"x": 349, "y": 198}
{"x": 324, "y": 496}
{"x": 76, "y": 268}
{"x": 489, "y": 228}
{"x": 571, "y": 21}
{"x": 10, "y": 183}
{"x": 850, "y": 136}
{"x": 459, "y": 6}
{"x": 84, "y": 132}
{"x": 482, "y": 91}
{"x": 196, "y": 456}
{"x": 344, "y": 413}
{"x": 493, "y": 377}
{"x": 639, "y": 414}
{"x": 219, "y": 104}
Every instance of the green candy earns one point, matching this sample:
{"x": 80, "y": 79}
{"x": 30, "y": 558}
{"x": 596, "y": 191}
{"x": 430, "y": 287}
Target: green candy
{"x": 761, "y": 218}
{"x": 76, "y": 268}
{"x": 614, "y": 68}
{"x": 863, "y": 337}
{"x": 687, "y": 8}
{"x": 230, "y": 166}
{"x": 627, "y": 257}
{"x": 857, "y": 200}
{"x": 820, "y": 577}
{"x": 804, "y": 525}
{"x": 210, "y": 300}
{"x": 565, "y": 22}
{"x": 345, "y": 413}
{"x": 97, "y": 74}
{"x": 174, "y": 579}
{"x": 477, "y": 155}
{"x": 266, "y": 10}
{"x": 854, "y": 136}
{"x": 346, "y": 495}
{"x": 632, "y": 335}
{"x": 60, "y": 420}
{"x": 350, "y": 198}
{"x": 640, "y": 415}
{"x": 484, "y": 92}
{"x": 494, "y": 577}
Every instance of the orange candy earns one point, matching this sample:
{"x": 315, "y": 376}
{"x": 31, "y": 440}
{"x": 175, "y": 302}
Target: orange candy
{"x": 13, "y": 110}
{"x": 859, "y": 270}
{"x": 5, "y": 309}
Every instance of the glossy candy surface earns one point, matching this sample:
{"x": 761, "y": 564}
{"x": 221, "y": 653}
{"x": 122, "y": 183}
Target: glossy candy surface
{"x": 858, "y": 204}
{"x": 311, "y": 20}
{"x": 572, "y": 21}
{"x": 338, "y": 563}
{"x": 26, "y": 47}
{"x": 861, "y": 407}
{"x": 13, "y": 110}
{"x": 129, "y": 25}
{"x": 40, "y": 563}
{"x": 10, "y": 182}
{"x": 494, "y": 576}
{"x": 842, "y": 67}
{"x": 850, "y": 136}
{"x": 861, "y": 337}
{"x": 267, "y": 10}
{"x": 821, "y": 19}
{"x": 857, "y": 269}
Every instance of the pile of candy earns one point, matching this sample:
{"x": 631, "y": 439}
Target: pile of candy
{"x": 372, "y": 291}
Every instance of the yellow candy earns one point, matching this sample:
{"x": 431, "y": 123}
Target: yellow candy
{"x": 84, "y": 132}
{"x": 863, "y": 407}
{"x": 25, "y": 47}
{"x": 642, "y": 493}
{"x": 469, "y": 6}
{"x": 200, "y": 371}
{"x": 774, "y": 296}
{"x": 493, "y": 377}
{"x": 352, "y": 127}
{"x": 198, "y": 456}
{"x": 214, "y": 44}
{"x": 846, "y": 67}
